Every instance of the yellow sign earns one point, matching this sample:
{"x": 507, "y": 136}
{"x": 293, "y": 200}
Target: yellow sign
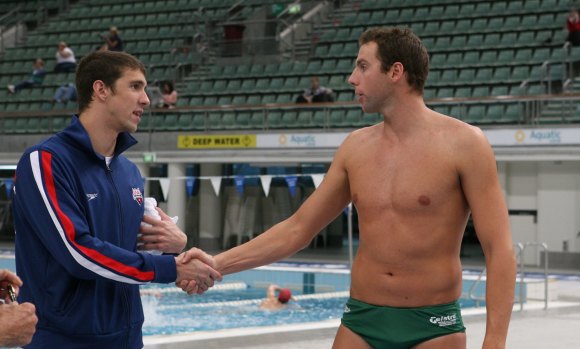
{"x": 216, "y": 141}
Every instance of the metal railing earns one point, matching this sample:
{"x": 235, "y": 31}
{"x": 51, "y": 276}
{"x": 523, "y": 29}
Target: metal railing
{"x": 521, "y": 297}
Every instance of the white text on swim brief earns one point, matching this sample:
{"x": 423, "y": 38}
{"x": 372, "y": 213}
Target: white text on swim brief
{"x": 446, "y": 320}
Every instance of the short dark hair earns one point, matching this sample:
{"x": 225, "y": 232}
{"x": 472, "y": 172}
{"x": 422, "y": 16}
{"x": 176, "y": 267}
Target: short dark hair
{"x": 400, "y": 45}
{"x": 107, "y": 66}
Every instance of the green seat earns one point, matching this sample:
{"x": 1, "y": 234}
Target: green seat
{"x": 475, "y": 114}
{"x": 271, "y": 69}
{"x": 463, "y": 92}
{"x": 262, "y": 84}
{"x": 458, "y": 42}
{"x": 254, "y": 99}
{"x": 337, "y": 118}
{"x": 371, "y": 119}
{"x": 444, "y": 92}
{"x": 184, "y": 121}
{"x": 454, "y": 58}
{"x": 276, "y": 84}
{"x": 475, "y": 40}
{"x": 447, "y": 27}
{"x": 505, "y": 56}
{"x": 257, "y": 120}
{"x": 214, "y": 120}
{"x": 441, "y": 108}
{"x": 354, "y": 118}
{"x": 248, "y": 85}
{"x": 520, "y": 73}
{"x": 59, "y": 122}
{"x": 515, "y": 22}
{"x": 239, "y": 99}
{"x": 457, "y": 111}
{"x": 512, "y": 114}
{"x": 429, "y": 93}
{"x": 480, "y": 91}
{"x": 304, "y": 118}
{"x": 448, "y": 76}
{"x": 210, "y": 100}
{"x": 291, "y": 84}
{"x": 9, "y": 125}
{"x": 499, "y": 90}
{"x": 508, "y": 39}
{"x": 488, "y": 58}
{"x": 224, "y": 100}
{"x": 274, "y": 119}
{"x": 438, "y": 59}
{"x": 289, "y": 119}
{"x": 283, "y": 98}
{"x": 483, "y": 75}
{"x": 466, "y": 76}
{"x": 199, "y": 120}
{"x": 345, "y": 96}
{"x": 319, "y": 118}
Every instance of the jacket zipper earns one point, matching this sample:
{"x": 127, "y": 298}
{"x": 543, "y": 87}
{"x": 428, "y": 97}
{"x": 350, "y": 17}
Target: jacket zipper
{"x": 124, "y": 287}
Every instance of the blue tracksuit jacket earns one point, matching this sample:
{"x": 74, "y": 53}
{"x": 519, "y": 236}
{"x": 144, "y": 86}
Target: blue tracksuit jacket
{"x": 76, "y": 222}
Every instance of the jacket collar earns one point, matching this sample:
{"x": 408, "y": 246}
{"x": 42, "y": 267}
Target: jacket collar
{"x": 76, "y": 133}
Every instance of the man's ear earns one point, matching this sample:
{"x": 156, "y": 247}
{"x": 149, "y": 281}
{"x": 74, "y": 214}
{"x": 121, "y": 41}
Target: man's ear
{"x": 397, "y": 71}
{"x": 100, "y": 90}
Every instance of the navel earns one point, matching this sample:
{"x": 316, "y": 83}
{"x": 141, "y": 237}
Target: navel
{"x": 424, "y": 200}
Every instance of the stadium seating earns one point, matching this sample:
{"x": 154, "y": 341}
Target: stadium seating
{"x": 479, "y": 50}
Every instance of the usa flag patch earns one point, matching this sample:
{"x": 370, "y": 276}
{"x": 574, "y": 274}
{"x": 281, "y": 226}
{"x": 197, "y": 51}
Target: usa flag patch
{"x": 137, "y": 196}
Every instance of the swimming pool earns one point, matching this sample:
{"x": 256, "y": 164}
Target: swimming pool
{"x": 320, "y": 291}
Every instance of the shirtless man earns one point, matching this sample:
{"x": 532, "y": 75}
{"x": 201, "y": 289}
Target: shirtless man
{"x": 414, "y": 179}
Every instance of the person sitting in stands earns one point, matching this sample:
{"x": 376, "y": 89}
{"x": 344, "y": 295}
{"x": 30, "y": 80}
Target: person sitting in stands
{"x": 35, "y": 78}
{"x": 316, "y": 93}
{"x": 113, "y": 41}
{"x": 65, "y": 59}
{"x": 573, "y": 26}
{"x": 168, "y": 95}
{"x": 65, "y": 93}
{"x": 273, "y": 302}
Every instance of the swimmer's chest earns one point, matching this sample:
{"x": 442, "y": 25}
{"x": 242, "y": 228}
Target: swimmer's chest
{"x": 411, "y": 180}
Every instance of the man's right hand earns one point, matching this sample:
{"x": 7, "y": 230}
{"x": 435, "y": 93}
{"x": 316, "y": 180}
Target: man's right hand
{"x": 18, "y": 324}
{"x": 195, "y": 268}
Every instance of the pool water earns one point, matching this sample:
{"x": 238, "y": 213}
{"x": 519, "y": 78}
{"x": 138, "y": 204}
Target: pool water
{"x": 215, "y": 310}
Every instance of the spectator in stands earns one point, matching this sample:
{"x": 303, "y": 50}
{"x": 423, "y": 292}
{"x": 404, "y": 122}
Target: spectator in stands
{"x": 113, "y": 41}
{"x": 65, "y": 93}
{"x": 273, "y": 301}
{"x": 316, "y": 93}
{"x": 65, "y": 59}
{"x": 168, "y": 95}
{"x": 35, "y": 78}
{"x": 573, "y": 26}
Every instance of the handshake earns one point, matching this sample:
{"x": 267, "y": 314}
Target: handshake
{"x": 196, "y": 270}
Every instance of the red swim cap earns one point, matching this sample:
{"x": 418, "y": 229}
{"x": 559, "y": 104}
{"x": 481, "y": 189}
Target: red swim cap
{"x": 284, "y": 295}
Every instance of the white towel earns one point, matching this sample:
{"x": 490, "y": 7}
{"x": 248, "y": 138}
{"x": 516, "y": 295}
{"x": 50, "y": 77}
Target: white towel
{"x": 150, "y": 205}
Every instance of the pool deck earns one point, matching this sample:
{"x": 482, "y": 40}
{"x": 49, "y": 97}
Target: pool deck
{"x": 530, "y": 329}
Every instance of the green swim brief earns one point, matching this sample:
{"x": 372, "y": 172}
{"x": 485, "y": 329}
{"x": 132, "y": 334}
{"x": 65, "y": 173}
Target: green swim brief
{"x": 399, "y": 328}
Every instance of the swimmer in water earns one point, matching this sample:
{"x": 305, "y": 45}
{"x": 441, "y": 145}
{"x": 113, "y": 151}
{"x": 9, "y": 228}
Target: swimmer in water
{"x": 273, "y": 301}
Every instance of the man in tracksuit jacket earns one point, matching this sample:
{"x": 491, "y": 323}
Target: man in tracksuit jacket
{"x": 78, "y": 205}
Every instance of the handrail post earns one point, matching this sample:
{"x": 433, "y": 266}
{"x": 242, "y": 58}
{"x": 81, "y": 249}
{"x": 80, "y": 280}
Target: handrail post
{"x": 520, "y": 247}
